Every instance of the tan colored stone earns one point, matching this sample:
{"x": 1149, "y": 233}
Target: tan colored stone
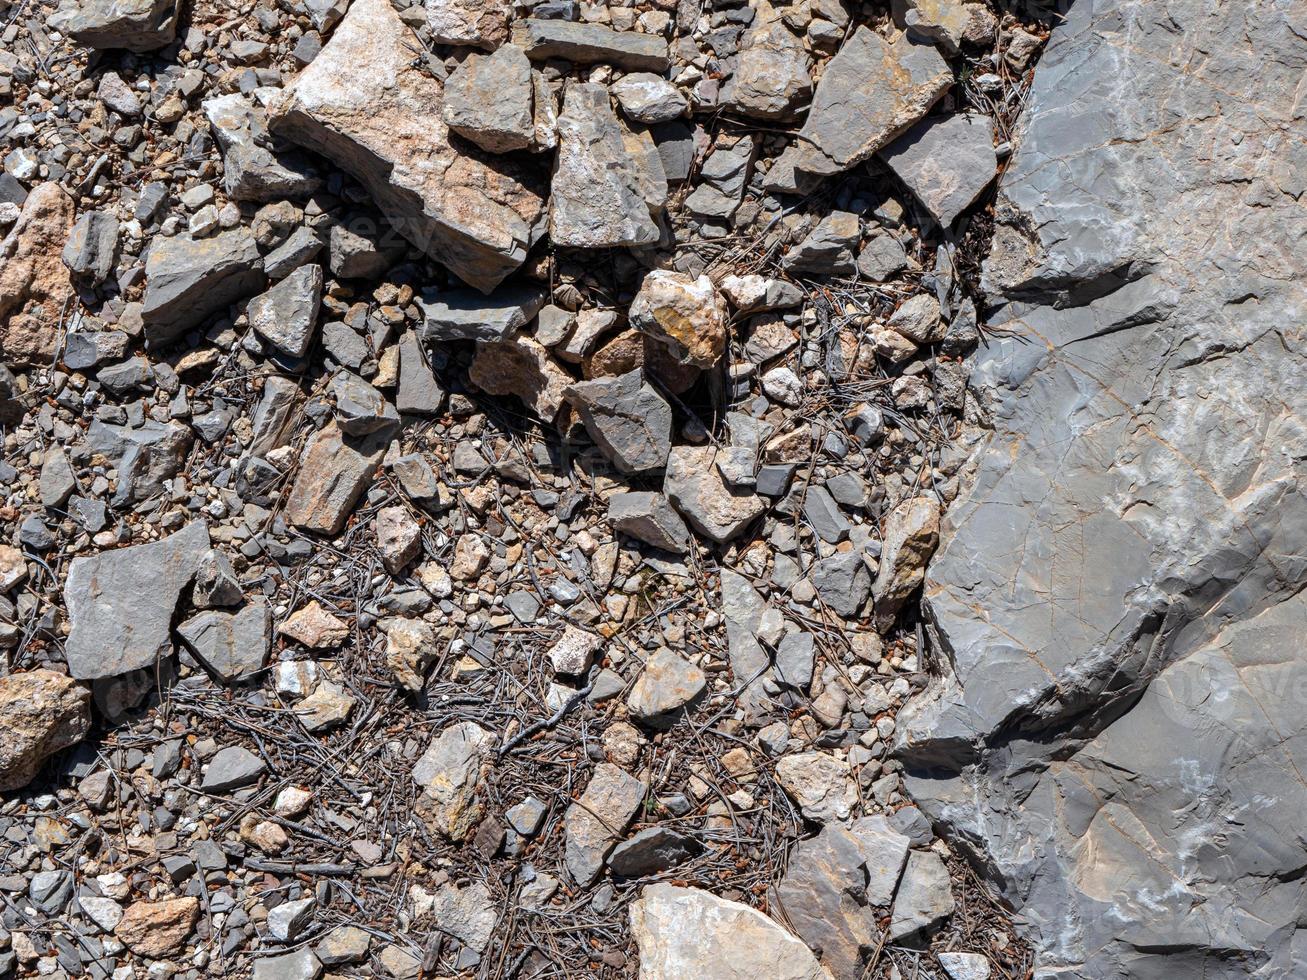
{"x": 911, "y": 536}
{"x": 364, "y": 104}
{"x": 158, "y": 929}
{"x": 35, "y": 286}
{"x": 41, "y": 712}
{"x": 480, "y": 23}
{"x": 521, "y": 367}
{"x": 688, "y": 316}
{"x": 314, "y": 627}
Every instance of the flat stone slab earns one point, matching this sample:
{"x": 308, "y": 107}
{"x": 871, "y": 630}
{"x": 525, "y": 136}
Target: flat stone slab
{"x": 121, "y": 603}
{"x": 589, "y": 43}
{"x": 364, "y": 105}
{"x": 945, "y": 162}
{"x": 1119, "y": 732}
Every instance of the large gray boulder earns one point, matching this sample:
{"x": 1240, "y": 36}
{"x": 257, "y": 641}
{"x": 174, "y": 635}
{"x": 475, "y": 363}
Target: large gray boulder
{"x": 1116, "y": 732}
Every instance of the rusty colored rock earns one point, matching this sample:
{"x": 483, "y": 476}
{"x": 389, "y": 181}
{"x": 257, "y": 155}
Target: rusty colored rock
{"x": 34, "y": 283}
{"x": 41, "y": 712}
{"x": 158, "y": 929}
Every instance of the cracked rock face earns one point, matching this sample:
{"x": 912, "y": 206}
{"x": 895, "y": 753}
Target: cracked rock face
{"x": 1117, "y": 730}
{"x": 362, "y": 104}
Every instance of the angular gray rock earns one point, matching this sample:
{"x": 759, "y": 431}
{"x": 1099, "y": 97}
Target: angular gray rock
{"x": 1115, "y": 604}
{"x": 57, "y": 481}
{"x": 773, "y": 76}
{"x": 231, "y": 768}
{"x": 92, "y": 246}
{"x": 871, "y": 91}
{"x": 250, "y": 170}
{"x": 648, "y": 517}
{"x": 627, "y": 418}
{"x": 488, "y": 100}
{"x": 274, "y": 415}
{"x": 231, "y": 645}
{"x": 842, "y": 581}
{"x": 144, "y": 456}
{"x": 287, "y": 313}
{"x": 461, "y": 314}
{"x": 483, "y": 23}
{"x": 188, "y": 280}
{"x": 597, "y": 201}
{"x": 595, "y": 822}
{"x": 449, "y": 775}
{"x": 651, "y": 851}
{"x": 360, "y": 409}
{"x": 364, "y": 103}
{"x": 649, "y": 98}
{"x": 121, "y": 603}
{"x": 588, "y": 43}
{"x": 910, "y": 537}
{"x": 419, "y": 393}
{"x": 829, "y": 249}
{"x": 925, "y": 895}
{"x": 945, "y": 162}
{"x": 688, "y": 932}
{"x": 133, "y": 25}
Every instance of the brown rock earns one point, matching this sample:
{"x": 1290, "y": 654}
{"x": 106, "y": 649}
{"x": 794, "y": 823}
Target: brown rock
{"x": 687, "y": 316}
{"x": 41, "y": 712}
{"x": 316, "y": 628}
{"x": 34, "y": 282}
{"x": 365, "y": 104}
{"x": 523, "y": 368}
{"x": 911, "y": 536}
{"x": 158, "y": 929}
{"x": 334, "y": 471}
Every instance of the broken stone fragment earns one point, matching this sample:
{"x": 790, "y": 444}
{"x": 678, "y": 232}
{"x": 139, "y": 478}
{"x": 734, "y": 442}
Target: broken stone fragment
{"x": 696, "y": 486}
{"x": 365, "y": 104}
{"x": 648, "y": 98}
{"x": 334, "y": 471}
{"x": 275, "y": 415}
{"x": 944, "y": 22}
{"x": 419, "y": 393}
{"x": 57, "y": 480}
{"x": 216, "y": 583}
{"x": 157, "y": 930}
{"x": 918, "y": 319}
{"x": 772, "y": 78}
{"x": 688, "y": 932}
{"x": 668, "y": 685}
{"x": 479, "y": 23}
{"x": 910, "y": 538}
{"x": 627, "y": 418}
{"x": 132, "y": 25}
{"x": 449, "y": 775}
{"x": 144, "y": 456}
{"x": 597, "y": 200}
{"x": 359, "y": 408}
{"x": 582, "y": 43}
{"x": 648, "y": 517}
{"x": 574, "y": 651}
{"x": 871, "y": 91}
{"x": 461, "y": 314}
{"x": 410, "y": 650}
{"x": 925, "y": 895}
{"x": 329, "y": 706}
{"x": 842, "y": 581}
{"x": 231, "y": 645}
{"x": 595, "y": 822}
{"x": 190, "y": 279}
{"x": 829, "y": 249}
{"x": 819, "y": 783}
{"x": 288, "y": 312}
{"x": 757, "y": 294}
{"x": 34, "y": 283}
{"x": 121, "y": 603}
{"x": 488, "y": 100}
{"x": 399, "y": 538}
{"x": 722, "y": 179}
{"x": 687, "y": 315}
{"x": 92, "y": 247}
{"x": 651, "y": 851}
{"x": 41, "y": 713}
{"x": 314, "y": 627}
{"x": 251, "y": 171}
{"x": 521, "y": 367}
{"x": 946, "y": 163}
{"x": 882, "y": 257}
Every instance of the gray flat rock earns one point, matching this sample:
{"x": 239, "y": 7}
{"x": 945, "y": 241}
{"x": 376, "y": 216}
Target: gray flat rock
{"x": 588, "y": 43}
{"x": 232, "y": 645}
{"x": 121, "y": 603}
{"x": 1119, "y": 599}
{"x": 627, "y": 418}
{"x": 188, "y": 280}
{"x": 231, "y": 768}
{"x": 945, "y": 162}
{"x": 461, "y": 314}
{"x": 288, "y": 312}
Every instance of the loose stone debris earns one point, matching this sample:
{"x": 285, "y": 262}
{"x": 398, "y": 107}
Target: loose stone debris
{"x": 469, "y": 472}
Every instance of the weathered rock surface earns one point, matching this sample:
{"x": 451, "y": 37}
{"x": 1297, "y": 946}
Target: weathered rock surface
{"x": 648, "y": 517}
{"x": 688, "y": 932}
{"x": 250, "y": 170}
{"x": 587, "y": 43}
{"x": 480, "y": 23}
{"x": 597, "y": 200}
{"x": 523, "y": 368}
{"x": 363, "y": 104}
{"x": 288, "y": 312}
{"x": 41, "y": 712}
{"x": 121, "y": 603}
{"x": 686, "y": 315}
{"x": 488, "y": 100}
{"x": 462, "y": 314}
{"x": 946, "y": 162}
{"x": 694, "y": 483}
{"x": 595, "y": 822}
{"x": 449, "y": 775}
{"x": 871, "y": 91}
{"x": 925, "y": 895}
{"x": 133, "y": 25}
{"x": 627, "y": 418}
{"x": 773, "y": 77}
{"x": 34, "y": 284}
{"x": 1117, "y": 603}
{"x": 158, "y": 929}
{"x": 334, "y": 471}
{"x": 668, "y": 684}
{"x": 232, "y": 645}
{"x": 190, "y": 279}
{"x": 92, "y": 246}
